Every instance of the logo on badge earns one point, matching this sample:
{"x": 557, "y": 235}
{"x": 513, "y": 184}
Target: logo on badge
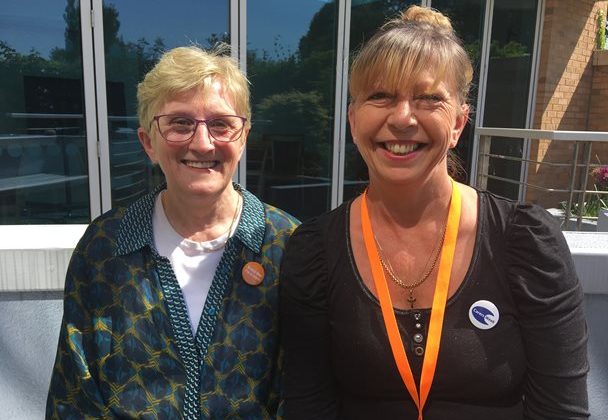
{"x": 484, "y": 314}
{"x": 253, "y": 273}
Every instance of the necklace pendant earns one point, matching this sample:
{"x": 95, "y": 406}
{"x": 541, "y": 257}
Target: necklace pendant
{"x": 411, "y": 299}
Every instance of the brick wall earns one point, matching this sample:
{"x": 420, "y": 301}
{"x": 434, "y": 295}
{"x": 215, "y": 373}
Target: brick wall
{"x": 598, "y": 104}
{"x": 567, "y": 92}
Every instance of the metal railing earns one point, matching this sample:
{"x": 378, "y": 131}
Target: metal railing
{"x": 578, "y": 167}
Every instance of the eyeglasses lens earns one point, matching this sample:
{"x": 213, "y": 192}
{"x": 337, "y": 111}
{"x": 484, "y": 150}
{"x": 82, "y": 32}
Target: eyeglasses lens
{"x": 179, "y": 129}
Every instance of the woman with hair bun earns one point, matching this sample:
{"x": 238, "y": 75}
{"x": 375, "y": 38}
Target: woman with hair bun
{"x": 424, "y": 298}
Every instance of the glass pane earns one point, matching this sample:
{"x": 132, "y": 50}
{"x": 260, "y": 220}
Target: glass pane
{"x": 366, "y": 16}
{"x": 135, "y": 36}
{"x": 467, "y": 18}
{"x": 508, "y": 83}
{"x": 292, "y": 67}
{"x": 43, "y": 155}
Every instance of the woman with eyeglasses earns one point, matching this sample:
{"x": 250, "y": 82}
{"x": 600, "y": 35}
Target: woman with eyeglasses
{"x": 170, "y": 305}
{"x": 424, "y": 298}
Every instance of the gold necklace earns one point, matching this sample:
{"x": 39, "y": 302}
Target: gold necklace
{"x": 411, "y": 286}
{"x": 227, "y": 233}
{"x": 234, "y": 217}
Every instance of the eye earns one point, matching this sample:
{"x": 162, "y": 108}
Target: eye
{"x": 179, "y": 121}
{"x": 176, "y": 124}
{"x": 430, "y": 97}
{"x": 379, "y": 96}
{"x": 219, "y": 124}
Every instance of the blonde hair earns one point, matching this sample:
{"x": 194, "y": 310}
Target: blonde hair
{"x": 185, "y": 68}
{"x": 419, "y": 39}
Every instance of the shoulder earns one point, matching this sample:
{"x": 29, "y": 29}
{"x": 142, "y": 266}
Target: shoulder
{"x": 536, "y": 237}
{"x": 96, "y": 247}
{"x": 307, "y": 248}
{"x": 317, "y": 231}
{"x": 519, "y": 219}
{"x": 263, "y": 226}
{"x": 516, "y": 219}
{"x": 307, "y": 260}
{"x": 121, "y": 230}
{"x": 535, "y": 253}
{"x": 279, "y": 219}
{"x": 102, "y": 232}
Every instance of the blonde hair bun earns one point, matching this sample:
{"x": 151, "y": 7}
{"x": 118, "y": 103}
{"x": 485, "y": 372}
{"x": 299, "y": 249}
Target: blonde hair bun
{"x": 427, "y": 15}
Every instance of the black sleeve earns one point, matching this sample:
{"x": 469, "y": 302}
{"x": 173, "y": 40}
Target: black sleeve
{"x": 308, "y": 383}
{"x": 549, "y": 299}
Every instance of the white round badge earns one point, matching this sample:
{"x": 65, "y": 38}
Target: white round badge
{"x": 484, "y": 314}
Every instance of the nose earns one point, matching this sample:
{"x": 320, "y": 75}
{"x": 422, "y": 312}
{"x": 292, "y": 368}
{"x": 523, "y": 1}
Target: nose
{"x": 403, "y": 114}
{"x": 202, "y": 140}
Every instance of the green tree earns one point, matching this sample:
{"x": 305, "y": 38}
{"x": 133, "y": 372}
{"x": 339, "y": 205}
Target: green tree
{"x": 299, "y": 114}
{"x": 509, "y": 50}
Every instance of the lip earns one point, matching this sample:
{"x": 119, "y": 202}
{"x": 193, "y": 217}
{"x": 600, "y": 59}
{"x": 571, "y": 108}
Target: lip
{"x": 201, "y": 164}
{"x": 406, "y": 149}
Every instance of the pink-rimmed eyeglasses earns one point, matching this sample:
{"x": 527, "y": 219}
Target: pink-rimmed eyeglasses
{"x": 181, "y": 129}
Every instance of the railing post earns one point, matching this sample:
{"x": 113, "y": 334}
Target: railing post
{"x": 484, "y": 161}
{"x": 583, "y": 184}
{"x": 571, "y": 190}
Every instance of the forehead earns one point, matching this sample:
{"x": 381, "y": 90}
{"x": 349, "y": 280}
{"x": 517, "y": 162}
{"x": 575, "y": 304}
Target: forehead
{"x": 212, "y": 96}
{"x": 424, "y": 81}
{"x": 399, "y": 74}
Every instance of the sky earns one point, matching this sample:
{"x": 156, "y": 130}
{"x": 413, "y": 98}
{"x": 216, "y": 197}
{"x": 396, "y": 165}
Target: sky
{"x": 27, "y": 24}
{"x": 39, "y": 24}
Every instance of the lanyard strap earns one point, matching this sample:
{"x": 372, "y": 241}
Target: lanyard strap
{"x": 439, "y": 301}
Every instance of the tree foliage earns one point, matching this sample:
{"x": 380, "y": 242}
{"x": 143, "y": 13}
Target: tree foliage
{"x": 300, "y": 115}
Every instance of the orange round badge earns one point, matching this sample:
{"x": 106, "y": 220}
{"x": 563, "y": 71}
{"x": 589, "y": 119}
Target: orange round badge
{"x": 253, "y": 273}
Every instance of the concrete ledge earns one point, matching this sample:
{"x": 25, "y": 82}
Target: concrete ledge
{"x": 36, "y": 257}
{"x": 590, "y": 254}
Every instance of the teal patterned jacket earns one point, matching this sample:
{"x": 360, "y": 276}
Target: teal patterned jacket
{"x": 126, "y": 349}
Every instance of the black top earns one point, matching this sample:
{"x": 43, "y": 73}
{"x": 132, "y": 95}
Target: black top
{"x": 532, "y": 364}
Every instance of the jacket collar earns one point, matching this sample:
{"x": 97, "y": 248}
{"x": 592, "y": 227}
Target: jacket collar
{"x": 135, "y": 231}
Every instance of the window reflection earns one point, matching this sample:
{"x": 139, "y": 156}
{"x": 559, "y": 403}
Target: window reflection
{"x": 134, "y": 39}
{"x": 43, "y": 159}
{"x": 467, "y": 18}
{"x": 291, "y": 65}
{"x": 508, "y": 82}
{"x": 366, "y": 17}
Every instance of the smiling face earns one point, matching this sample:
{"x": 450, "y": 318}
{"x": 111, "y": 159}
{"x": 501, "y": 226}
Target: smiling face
{"x": 404, "y": 135}
{"x": 202, "y": 166}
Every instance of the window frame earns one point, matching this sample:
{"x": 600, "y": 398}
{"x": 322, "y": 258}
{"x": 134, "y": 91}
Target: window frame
{"x": 33, "y": 256}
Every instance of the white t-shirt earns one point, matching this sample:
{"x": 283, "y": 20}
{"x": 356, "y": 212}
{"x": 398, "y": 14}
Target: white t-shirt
{"x": 194, "y": 263}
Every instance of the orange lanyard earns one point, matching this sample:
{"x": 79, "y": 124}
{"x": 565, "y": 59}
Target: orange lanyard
{"x": 439, "y": 301}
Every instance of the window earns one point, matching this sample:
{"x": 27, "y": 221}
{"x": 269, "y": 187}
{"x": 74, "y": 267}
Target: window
{"x": 291, "y": 64}
{"x": 467, "y": 18}
{"x": 48, "y": 174}
{"x": 507, "y": 86}
{"x": 43, "y": 151}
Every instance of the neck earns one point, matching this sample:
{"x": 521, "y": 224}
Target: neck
{"x": 406, "y": 204}
{"x": 201, "y": 218}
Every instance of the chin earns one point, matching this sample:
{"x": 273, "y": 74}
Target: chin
{"x": 209, "y": 187}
